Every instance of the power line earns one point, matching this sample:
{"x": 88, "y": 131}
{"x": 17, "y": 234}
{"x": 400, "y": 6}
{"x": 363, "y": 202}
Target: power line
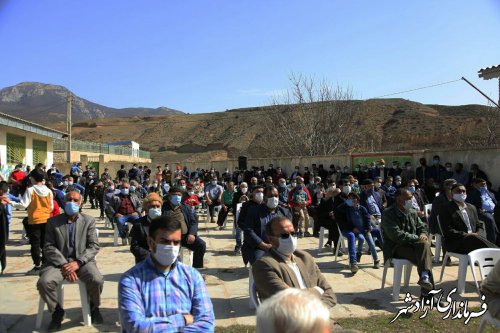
{"x": 420, "y": 88}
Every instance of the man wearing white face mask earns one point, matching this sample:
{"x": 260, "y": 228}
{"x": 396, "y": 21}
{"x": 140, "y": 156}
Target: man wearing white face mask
{"x": 460, "y": 223}
{"x": 256, "y": 244}
{"x": 405, "y": 237}
{"x": 283, "y": 266}
{"x": 138, "y": 243}
{"x": 176, "y": 209}
{"x": 162, "y": 294}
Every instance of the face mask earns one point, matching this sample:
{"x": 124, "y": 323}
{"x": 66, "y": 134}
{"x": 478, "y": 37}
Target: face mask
{"x": 71, "y": 208}
{"x": 398, "y": 183}
{"x": 258, "y": 197}
{"x": 448, "y": 169}
{"x": 288, "y": 245}
{"x": 190, "y": 193}
{"x": 65, "y": 183}
{"x": 244, "y": 190}
{"x": 166, "y": 255}
{"x": 213, "y": 182}
{"x": 408, "y": 205}
{"x": 377, "y": 185}
{"x": 124, "y": 191}
{"x": 349, "y": 202}
{"x": 459, "y": 197}
{"x": 294, "y": 184}
{"x": 282, "y": 185}
{"x": 346, "y": 189}
{"x": 183, "y": 187}
{"x": 346, "y": 170}
{"x": 299, "y": 187}
{"x": 111, "y": 188}
{"x": 154, "y": 213}
{"x": 411, "y": 189}
{"x": 70, "y": 183}
{"x": 483, "y": 189}
{"x": 272, "y": 202}
{"x": 175, "y": 200}
{"x": 382, "y": 166}
{"x": 332, "y": 188}
{"x": 132, "y": 188}
{"x": 436, "y": 162}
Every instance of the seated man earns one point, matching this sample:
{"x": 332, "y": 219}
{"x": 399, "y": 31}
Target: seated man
{"x": 162, "y": 294}
{"x": 183, "y": 213}
{"x": 460, "y": 224}
{"x": 126, "y": 207}
{"x": 405, "y": 237}
{"x": 278, "y": 313}
{"x": 255, "y": 243}
{"x": 491, "y": 289}
{"x": 70, "y": 249}
{"x": 283, "y": 266}
{"x": 355, "y": 223}
{"x": 485, "y": 203}
{"x": 213, "y": 195}
{"x": 139, "y": 233}
{"x": 227, "y": 205}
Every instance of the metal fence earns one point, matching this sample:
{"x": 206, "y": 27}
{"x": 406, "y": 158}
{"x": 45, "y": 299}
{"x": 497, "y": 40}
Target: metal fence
{"x": 100, "y": 148}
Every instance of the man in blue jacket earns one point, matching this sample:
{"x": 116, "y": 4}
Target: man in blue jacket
{"x": 176, "y": 209}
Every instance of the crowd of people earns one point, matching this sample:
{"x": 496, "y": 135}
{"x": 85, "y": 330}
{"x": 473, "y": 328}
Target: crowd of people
{"x": 157, "y": 212}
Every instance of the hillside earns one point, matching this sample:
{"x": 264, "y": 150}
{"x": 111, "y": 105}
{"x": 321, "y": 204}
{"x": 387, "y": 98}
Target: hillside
{"x": 384, "y": 124}
{"x": 46, "y": 103}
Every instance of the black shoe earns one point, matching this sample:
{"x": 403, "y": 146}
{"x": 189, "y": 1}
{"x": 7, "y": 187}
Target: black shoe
{"x": 96, "y": 316}
{"x": 316, "y": 234}
{"x": 57, "y": 318}
{"x": 425, "y": 282}
{"x": 307, "y": 234}
{"x": 35, "y": 271}
{"x": 328, "y": 245}
{"x": 358, "y": 257}
{"x": 376, "y": 264}
{"x": 237, "y": 249}
{"x": 340, "y": 254}
{"x": 300, "y": 235}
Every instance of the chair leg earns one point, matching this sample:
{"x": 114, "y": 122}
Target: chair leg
{"x": 445, "y": 259}
{"x": 39, "y": 316}
{"x": 437, "y": 253}
{"x": 408, "y": 268}
{"x": 115, "y": 240}
{"x": 337, "y": 248}
{"x": 396, "y": 285}
{"x": 384, "y": 274}
{"x": 462, "y": 275}
{"x": 321, "y": 238}
{"x": 85, "y": 304}
{"x": 250, "y": 283}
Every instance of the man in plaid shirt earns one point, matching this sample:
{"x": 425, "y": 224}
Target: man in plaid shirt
{"x": 160, "y": 294}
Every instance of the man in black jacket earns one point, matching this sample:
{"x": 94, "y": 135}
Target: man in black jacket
{"x": 139, "y": 233}
{"x": 174, "y": 208}
{"x": 460, "y": 224}
{"x": 485, "y": 203}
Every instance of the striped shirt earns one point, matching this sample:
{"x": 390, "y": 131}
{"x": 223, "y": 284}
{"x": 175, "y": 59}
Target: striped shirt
{"x": 154, "y": 301}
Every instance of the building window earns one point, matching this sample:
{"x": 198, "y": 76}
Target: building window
{"x": 39, "y": 152}
{"x": 16, "y": 149}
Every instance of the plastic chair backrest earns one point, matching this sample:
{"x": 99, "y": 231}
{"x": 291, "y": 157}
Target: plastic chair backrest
{"x": 427, "y": 211}
{"x": 486, "y": 259}
{"x": 237, "y": 214}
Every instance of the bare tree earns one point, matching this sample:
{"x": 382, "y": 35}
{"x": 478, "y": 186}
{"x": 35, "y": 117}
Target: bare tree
{"x": 311, "y": 118}
{"x": 492, "y": 126}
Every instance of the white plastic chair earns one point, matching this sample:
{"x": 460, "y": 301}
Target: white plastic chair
{"x": 486, "y": 260}
{"x": 236, "y": 216}
{"x": 438, "y": 244}
{"x": 254, "y": 301}
{"x": 60, "y": 295}
{"x": 487, "y": 318}
{"x": 321, "y": 238}
{"x": 116, "y": 233}
{"x": 340, "y": 243}
{"x": 182, "y": 253}
{"x": 398, "y": 272}
{"x": 463, "y": 261}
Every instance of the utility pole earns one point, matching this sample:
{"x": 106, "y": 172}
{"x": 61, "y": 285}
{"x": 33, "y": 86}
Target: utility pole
{"x": 68, "y": 118}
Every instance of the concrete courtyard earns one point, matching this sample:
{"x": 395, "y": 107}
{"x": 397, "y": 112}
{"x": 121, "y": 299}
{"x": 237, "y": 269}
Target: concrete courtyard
{"x": 226, "y": 277}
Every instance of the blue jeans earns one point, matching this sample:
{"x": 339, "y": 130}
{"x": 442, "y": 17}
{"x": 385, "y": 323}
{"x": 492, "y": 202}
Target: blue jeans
{"x": 122, "y": 221}
{"x": 237, "y": 235}
{"x": 378, "y": 235}
{"x": 351, "y": 244}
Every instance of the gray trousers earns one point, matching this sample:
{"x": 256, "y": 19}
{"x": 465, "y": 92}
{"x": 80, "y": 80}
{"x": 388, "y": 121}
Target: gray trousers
{"x": 420, "y": 254}
{"x": 51, "y": 277}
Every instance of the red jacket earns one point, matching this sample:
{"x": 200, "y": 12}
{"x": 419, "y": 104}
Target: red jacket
{"x": 290, "y": 197}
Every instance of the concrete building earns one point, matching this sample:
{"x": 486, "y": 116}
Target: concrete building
{"x": 25, "y": 142}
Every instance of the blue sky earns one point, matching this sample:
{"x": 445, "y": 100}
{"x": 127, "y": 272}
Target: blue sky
{"x": 205, "y": 56}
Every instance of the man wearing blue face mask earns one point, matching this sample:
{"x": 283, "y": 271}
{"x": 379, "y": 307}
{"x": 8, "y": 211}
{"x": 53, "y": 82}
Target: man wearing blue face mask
{"x": 70, "y": 248}
{"x": 161, "y": 294}
{"x": 174, "y": 208}
{"x": 125, "y": 208}
{"x": 284, "y": 266}
{"x": 213, "y": 195}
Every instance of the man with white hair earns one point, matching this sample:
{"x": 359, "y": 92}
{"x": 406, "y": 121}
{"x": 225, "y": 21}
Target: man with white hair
{"x": 293, "y": 311}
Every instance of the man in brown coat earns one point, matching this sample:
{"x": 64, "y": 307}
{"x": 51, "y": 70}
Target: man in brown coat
{"x": 286, "y": 267}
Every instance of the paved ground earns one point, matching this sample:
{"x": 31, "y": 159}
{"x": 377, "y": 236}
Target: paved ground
{"x": 227, "y": 280}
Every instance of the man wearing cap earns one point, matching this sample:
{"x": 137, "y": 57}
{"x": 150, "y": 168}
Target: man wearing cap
{"x": 174, "y": 208}
{"x": 299, "y": 199}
